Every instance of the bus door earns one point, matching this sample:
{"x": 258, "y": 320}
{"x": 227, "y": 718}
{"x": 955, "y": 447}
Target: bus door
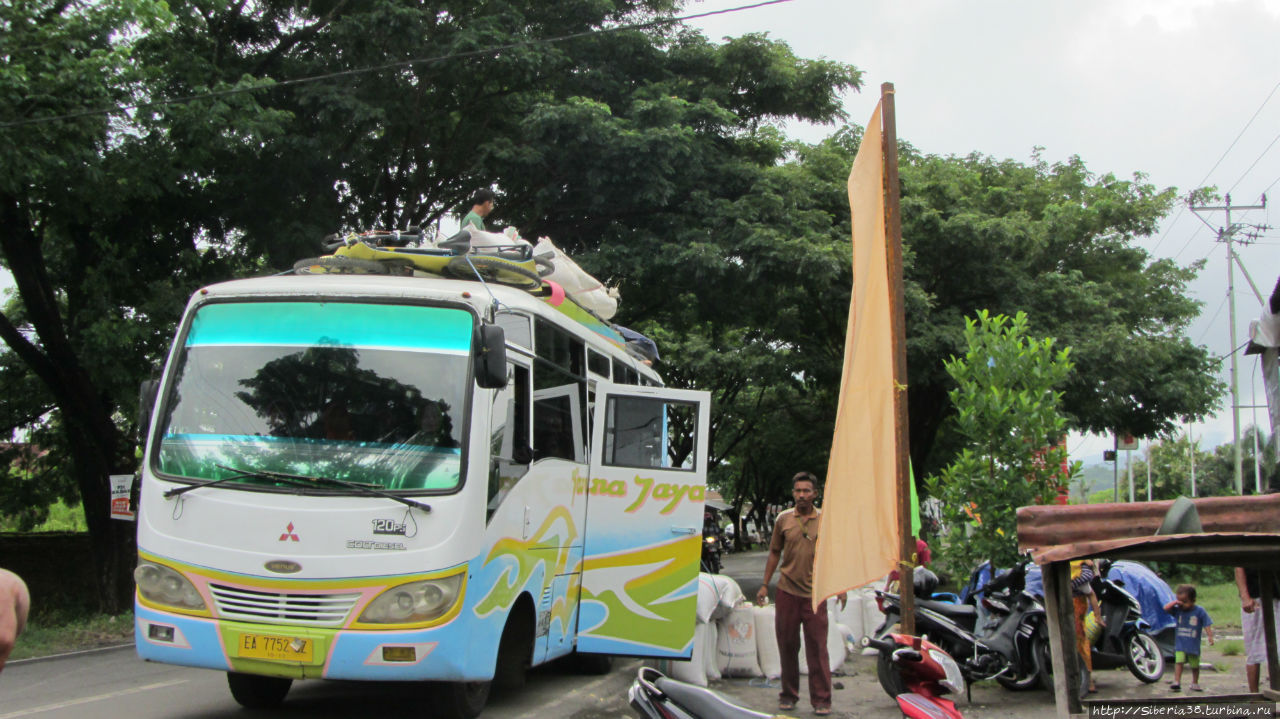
{"x": 643, "y": 536}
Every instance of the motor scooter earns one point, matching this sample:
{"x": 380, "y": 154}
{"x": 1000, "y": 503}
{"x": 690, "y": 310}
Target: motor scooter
{"x": 653, "y": 695}
{"x": 920, "y": 673}
{"x": 713, "y": 546}
{"x": 997, "y": 643}
{"x": 1124, "y": 640}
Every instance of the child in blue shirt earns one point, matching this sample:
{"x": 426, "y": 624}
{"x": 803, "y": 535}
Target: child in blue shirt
{"x": 1191, "y": 620}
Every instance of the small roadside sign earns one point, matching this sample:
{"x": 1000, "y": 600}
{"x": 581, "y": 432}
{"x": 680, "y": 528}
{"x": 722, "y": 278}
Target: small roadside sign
{"x": 121, "y": 488}
{"x": 1125, "y": 440}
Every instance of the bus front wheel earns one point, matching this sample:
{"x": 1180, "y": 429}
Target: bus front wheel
{"x": 515, "y": 653}
{"x": 460, "y": 700}
{"x": 253, "y": 691}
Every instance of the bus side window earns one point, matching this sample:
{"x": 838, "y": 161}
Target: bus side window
{"x": 649, "y": 433}
{"x": 557, "y": 415}
{"x": 598, "y": 363}
{"x": 509, "y": 436}
{"x": 559, "y": 394}
{"x": 516, "y": 328}
{"x": 623, "y": 374}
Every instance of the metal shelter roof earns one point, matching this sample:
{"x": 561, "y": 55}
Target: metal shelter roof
{"x": 1238, "y": 531}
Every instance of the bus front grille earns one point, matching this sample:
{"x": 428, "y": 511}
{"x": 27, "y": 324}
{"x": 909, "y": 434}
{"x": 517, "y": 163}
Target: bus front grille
{"x": 326, "y": 610}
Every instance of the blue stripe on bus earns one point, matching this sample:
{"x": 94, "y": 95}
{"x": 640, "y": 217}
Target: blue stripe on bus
{"x": 331, "y": 324}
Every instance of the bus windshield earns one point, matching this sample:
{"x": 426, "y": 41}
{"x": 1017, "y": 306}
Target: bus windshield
{"x": 367, "y": 393}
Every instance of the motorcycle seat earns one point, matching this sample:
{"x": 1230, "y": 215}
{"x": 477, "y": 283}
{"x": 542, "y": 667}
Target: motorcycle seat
{"x": 702, "y": 702}
{"x": 956, "y": 611}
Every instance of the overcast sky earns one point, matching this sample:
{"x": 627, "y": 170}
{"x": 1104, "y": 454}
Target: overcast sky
{"x": 1162, "y": 87}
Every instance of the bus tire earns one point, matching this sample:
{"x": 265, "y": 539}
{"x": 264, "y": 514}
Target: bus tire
{"x": 253, "y": 691}
{"x": 494, "y": 269}
{"x": 515, "y": 650}
{"x": 460, "y": 700}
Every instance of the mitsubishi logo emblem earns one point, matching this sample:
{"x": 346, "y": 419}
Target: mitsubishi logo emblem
{"x": 289, "y": 534}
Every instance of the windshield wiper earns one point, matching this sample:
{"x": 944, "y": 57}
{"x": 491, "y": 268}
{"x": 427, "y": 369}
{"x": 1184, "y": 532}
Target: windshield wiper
{"x": 300, "y": 479}
{"x": 183, "y": 490}
{"x": 363, "y": 487}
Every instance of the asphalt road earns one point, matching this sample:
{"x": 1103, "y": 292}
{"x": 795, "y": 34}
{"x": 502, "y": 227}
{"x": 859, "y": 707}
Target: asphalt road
{"x": 115, "y": 684}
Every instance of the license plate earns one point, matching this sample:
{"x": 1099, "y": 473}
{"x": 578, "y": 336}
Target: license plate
{"x": 266, "y": 646}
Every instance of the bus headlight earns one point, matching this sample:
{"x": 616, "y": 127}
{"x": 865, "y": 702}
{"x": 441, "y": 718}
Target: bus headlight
{"x": 162, "y": 585}
{"x": 415, "y": 602}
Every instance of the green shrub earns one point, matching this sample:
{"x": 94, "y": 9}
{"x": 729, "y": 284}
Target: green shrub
{"x": 61, "y": 518}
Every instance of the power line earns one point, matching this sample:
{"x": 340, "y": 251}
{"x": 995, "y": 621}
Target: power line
{"x": 1194, "y": 235}
{"x": 390, "y": 65}
{"x": 1169, "y": 227}
{"x": 1225, "y": 152}
{"x": 1273, "y": 184}
{"x": 1255, "y": 163}
{"x": 1232, "y": 352}
{"x": 1212, "y": 319}
{"x": 1242, "y": 131}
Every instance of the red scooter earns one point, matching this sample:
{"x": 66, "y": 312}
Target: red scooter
{"x": 919, "y": 672}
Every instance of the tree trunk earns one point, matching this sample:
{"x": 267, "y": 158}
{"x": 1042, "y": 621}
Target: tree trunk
{"x": 93, "y": 440}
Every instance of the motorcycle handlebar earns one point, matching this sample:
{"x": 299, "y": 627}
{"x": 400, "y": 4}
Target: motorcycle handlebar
{"x": 880, "y": 644}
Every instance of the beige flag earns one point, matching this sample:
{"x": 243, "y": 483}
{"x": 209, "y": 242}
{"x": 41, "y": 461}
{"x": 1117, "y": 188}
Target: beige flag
{"x": 859, "y": 539}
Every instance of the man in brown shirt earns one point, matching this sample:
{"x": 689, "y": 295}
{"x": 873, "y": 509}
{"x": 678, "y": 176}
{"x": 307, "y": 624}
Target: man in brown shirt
{"x": 791, "y": 551}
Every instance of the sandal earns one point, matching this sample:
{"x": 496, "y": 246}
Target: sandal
{"x": 785, "y": 705}
{"x": 822, "y": 711}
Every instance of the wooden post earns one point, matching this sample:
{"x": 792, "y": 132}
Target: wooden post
{"x": 1062, "y": 638}
{"x": 1267, "y": 579}
{"x": 901, "y": 430}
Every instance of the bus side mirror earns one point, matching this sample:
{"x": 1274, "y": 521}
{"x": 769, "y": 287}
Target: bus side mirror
{"x": 491, "y": 357}
{"x": 146, "y": 405}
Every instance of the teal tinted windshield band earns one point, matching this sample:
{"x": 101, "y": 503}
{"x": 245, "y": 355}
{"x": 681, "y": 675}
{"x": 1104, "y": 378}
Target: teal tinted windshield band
{"x": 309, "y": 324}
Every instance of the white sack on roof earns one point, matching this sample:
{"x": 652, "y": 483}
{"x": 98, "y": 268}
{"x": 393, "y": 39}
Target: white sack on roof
{"x": 578, "y": 285}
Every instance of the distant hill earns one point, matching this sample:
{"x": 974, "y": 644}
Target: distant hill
{"x": 1096, "y": 477}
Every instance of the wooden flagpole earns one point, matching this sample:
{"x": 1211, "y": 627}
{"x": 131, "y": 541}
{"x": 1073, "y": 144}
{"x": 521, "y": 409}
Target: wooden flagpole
{"x": 893, "y": 242}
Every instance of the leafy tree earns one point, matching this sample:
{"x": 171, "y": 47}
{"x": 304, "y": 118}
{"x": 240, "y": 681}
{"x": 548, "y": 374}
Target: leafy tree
{"x": 1007, "y": 410}
{"x": 229, "y": 167}
{"x": 1170, "y": 462}
{"x": 77, "y": 330}
{"x": 1054, "y": 241}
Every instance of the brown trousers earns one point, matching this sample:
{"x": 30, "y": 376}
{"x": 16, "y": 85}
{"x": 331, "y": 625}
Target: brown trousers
{"x": 793, "y": 613}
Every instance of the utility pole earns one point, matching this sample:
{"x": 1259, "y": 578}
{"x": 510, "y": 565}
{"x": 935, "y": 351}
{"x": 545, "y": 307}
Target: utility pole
{"x": 1227, "y": 234}
{"x": 1191, "y": 450}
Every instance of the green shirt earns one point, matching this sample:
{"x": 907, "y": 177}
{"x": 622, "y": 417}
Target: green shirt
{"x": 474, "y": 220}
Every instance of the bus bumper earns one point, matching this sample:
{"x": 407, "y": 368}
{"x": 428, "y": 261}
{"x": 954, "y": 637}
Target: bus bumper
{"x": 439, "y": 653}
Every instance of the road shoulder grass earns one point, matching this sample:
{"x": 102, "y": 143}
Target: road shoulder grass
{"x": 57, "y": 635}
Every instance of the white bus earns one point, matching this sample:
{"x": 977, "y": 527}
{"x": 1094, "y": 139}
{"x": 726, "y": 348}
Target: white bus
{"x": 409, "y": 478}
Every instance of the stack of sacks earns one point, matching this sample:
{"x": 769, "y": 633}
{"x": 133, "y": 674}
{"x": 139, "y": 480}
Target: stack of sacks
{"x": 767, "y": 641}
{"x": 578, "y": 285}
{"x": 861, "y": 614}
{"x": 717, "y": 597}
{"x": 736, "y": 648}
